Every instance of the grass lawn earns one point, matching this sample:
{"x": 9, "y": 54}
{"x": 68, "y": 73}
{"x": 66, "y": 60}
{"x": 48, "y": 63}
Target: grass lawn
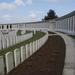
{"x": 61, "y": 32}
{"x": 12, "y": 48}
{"x": 27, "y": 31}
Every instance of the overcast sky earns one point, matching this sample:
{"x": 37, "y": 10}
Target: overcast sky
{"x": 14, "y": 11}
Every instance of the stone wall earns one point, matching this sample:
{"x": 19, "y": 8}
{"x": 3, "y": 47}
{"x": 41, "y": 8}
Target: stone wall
{"x": 30, "y": 25}
{"x": 66, "y": 23}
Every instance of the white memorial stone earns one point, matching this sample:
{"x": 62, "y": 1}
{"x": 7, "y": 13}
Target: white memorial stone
{"x": 0, "y": 45}
{"x": 17, "y": 57}
{"x": 34, "y": 32}
{"x": 16, "y": 39}
{"x": 22, "y": 53}
{"x": 1, "y": 66}
{"x": 13, "y": 40}
{"x": 31, "y": 48}
{"x": 10, "y": 41}
{"x": 21, "y": 37}
{"x": 7, "y": 41}
{"x": 36, "y": 45}
{"x": 4, "y": 43}
{"x": 9, "y": 61}
{"x": 27, "y": 51}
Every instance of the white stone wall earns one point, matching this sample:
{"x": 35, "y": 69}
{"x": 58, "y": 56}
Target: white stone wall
{"x": 66, "y": 25}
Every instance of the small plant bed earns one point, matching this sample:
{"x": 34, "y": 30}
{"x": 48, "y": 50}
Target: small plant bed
{"x": 51, "y": 32}
{"x": 48, "y": 60}
{"x": 61, "y": 32}
{"x": 72, "y": 36}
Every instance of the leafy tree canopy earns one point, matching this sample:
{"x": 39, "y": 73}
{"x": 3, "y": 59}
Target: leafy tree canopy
{"x": 50, "y": 15}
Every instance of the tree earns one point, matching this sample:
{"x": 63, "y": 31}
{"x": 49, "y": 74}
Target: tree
{"x": 50, "y": 15}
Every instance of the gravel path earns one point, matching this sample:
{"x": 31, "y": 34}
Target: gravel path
{"x": 69, "y": 67}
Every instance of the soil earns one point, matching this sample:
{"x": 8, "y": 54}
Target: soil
{"x": 51, "y": 32}
{"x": 48, "y": 60}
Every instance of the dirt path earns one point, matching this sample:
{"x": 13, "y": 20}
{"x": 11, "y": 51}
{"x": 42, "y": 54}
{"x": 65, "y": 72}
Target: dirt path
{"x": 48, "y": 60}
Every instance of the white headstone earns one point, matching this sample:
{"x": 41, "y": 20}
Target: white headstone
{"x": 23, "y": 38}
{"x": 0, "y": 45}
{"x": 22, "y": 53}
{"x": 4, "y": 43}
{"x": 36, "y": 45}
{"x": 40, "y": 42}
{"x": 34, "y": 32}
{"x": 17, "y": 57}
{"x": 1, "y": 66}
{"x": 19, "y": 38}
{"x": 9, "y": 61}
{"x": 7, "y": 41}
{"x": 13, "y": 40}
{"x": 10, "y": 41}
{"x": 31, "y": 48}
{"x": 16, "y": 39}
{"x": 27, "y": 51}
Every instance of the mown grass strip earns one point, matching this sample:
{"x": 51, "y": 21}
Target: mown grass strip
{"x": 61, "y": 32}
{"x": 72, "y": 36}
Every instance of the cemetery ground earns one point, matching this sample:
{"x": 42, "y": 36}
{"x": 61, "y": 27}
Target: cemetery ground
{"x": 48, "y": 60}
{"x": 12, "y": 48}
{"x": 35, "y": 37}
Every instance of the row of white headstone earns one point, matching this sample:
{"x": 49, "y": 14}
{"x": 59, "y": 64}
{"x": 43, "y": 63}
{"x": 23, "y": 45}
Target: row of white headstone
{"x": 7, "y": 42}
{"x": 21, "y": 54}
{"x": 7, "y": 35}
